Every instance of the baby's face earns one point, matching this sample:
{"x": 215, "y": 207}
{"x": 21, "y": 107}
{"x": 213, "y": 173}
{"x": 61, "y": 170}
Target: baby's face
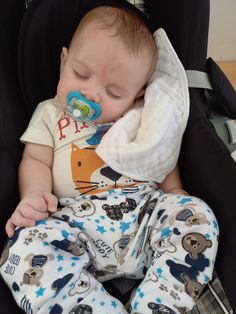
{"x": 103, "y": 70}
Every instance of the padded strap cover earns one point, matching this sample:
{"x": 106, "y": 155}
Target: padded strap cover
{"x": 223, "y": 91}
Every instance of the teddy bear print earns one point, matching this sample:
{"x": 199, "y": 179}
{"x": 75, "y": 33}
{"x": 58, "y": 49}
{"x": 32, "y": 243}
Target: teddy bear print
{"x": 75, "y": 247}
{"x": 189, "y": 216}
{"x": 177, "y": 270}
{"x": 59, "y": 283}
{"x": 192, "y": 287}
{"x": 121, "y": 247}
{"x": 182, "y": 309}
{"x": 152, "y": 276}
{"x": 115, "y": 212}
{"x": 164, "y": 245}
{"x": 81, "y": 309}
{"x": 106, "y": 270}
{"x": 35, "y": 272}
{"x": 147, "y": 208}
{"x": 86, "y": 243}
{"x": 81, "y": 285}
{"x": 195, "y": 243}
{"x": 160, "y": 308}
{"x": 82, "y": 208}
{"x": 66, "y": 201}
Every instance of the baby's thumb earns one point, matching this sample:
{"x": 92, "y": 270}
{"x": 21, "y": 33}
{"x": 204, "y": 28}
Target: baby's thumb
{"x": 51, "y": 201}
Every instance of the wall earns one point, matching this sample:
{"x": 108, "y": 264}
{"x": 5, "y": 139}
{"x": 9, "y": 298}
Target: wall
{"x": 222, "y": 30}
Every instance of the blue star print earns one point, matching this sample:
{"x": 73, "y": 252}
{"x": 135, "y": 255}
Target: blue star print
{"x": 75, "y": 258}
{"x": 215, "y": 224}
{"x": 41, "y": 222}
{"x": 65, "y": 234}
{"x": 78, "y": 224}
{"x": 136, "y": 304}
{"x": 124, "y": 226}
{"x": 60, "y": 258}
{"x": 101, "y": 229}
{"x": 140, "y": 292}
{"x": 165, "y": 232}
{"x": 185, "y": 200}
{"x": 159, "y": 272}
{"x": 40, "y": 292}
{"x": 206, "y": 278}
{"x": 114, "y": 304}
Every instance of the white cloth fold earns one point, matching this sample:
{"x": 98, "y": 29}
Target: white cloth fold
{"x": 144, "y": 144}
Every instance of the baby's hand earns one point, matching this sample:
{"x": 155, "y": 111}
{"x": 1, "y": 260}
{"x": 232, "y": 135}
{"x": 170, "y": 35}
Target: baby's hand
{"x": 35, "y": 206}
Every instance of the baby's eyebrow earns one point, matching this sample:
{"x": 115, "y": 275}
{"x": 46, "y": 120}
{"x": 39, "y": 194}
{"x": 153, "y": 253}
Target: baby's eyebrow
{"x": 82, "y": 63}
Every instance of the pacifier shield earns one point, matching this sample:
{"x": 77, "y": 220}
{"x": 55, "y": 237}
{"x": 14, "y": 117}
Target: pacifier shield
{"x": 80, "y": 108}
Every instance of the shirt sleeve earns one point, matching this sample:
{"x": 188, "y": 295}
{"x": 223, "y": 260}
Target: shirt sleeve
{"x": 42, "y": 124}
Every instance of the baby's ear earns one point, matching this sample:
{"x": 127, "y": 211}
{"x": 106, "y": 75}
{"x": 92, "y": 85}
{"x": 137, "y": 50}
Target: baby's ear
{"x": 140, "y": 93}
{"x": 64, "y": 54}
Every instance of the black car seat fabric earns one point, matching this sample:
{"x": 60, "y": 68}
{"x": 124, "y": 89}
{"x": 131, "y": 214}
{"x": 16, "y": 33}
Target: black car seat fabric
{"x": 13, "y": 120}
{"x": 207, "y": 168}
{"x": 13, "y": 116}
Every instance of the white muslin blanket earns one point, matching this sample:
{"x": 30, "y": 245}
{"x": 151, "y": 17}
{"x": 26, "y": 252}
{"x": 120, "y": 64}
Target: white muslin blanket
{"x": 144, "y": 144}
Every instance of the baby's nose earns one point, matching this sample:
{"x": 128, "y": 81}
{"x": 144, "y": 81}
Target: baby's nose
{"x": 92, "y": 94}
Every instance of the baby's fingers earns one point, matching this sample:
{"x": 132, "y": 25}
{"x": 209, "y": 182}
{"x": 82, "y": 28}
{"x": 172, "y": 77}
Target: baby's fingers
{"x": 38, "y": 203}
{"x": 51, "y": 201}
{"x": 28, "y": 212}
{"x": 17, "y": 220}
{"x": 10, "y": 228}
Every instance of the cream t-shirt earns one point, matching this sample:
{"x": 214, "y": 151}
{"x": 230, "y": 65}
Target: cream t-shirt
{"x": 77, "y": 169}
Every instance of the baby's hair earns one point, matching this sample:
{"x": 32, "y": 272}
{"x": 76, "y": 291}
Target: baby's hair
{"x": 122, "y": 23}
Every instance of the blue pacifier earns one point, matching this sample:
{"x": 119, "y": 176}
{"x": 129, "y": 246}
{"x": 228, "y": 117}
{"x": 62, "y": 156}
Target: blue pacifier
{"x": 82, "y": 109}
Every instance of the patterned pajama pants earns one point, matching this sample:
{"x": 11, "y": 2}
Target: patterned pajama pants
{"x": 168, "y": 241}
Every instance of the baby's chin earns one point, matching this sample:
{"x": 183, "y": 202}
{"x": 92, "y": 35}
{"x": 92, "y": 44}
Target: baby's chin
{"x": 103, "y": 121}
{"x": 61, "y": 102}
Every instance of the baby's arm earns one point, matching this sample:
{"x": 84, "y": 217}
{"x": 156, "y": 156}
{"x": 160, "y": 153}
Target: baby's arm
{"x": 35, "y": 186}
{"x": 172, "y": 183}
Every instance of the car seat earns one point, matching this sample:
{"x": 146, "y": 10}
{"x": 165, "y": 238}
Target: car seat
{"x": 31, "y": 42}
